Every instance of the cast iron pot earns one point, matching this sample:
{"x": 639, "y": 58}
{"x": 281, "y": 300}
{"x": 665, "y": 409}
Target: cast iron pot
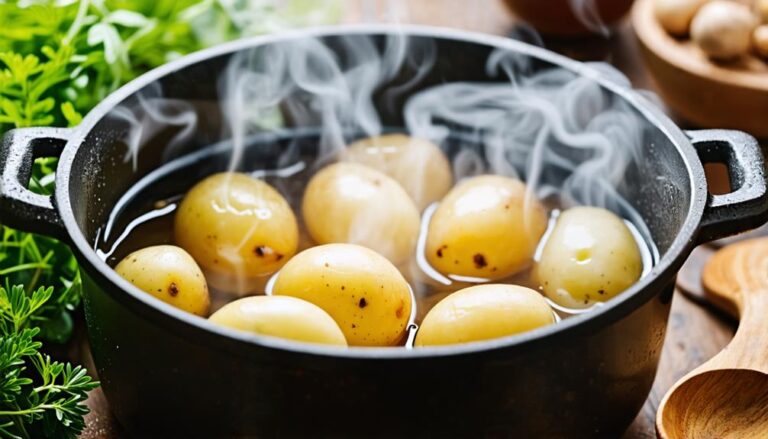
{"x": 166, "y": 372}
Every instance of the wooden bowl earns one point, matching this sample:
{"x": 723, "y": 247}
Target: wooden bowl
{"x": 708, "y": 94}
{"x": 557, "y": 17}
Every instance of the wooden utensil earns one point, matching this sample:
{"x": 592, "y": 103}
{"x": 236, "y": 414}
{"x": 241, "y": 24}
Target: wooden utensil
{"x": 709, "y": 94}
{"x": 727, "y": 397}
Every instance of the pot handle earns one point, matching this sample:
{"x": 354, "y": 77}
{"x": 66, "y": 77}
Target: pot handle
{"x": 747, "y": 206}
{"x": 20, "y": 207}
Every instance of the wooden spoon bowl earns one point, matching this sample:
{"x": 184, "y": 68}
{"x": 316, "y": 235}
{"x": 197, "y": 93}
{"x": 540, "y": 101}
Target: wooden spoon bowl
{"x": 727, "y": 397}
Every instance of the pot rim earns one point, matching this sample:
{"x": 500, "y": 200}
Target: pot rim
{"x": 614, "y": 309}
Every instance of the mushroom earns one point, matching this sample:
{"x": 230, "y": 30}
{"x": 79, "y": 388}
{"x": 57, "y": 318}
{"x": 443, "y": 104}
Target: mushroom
{"x": 675, "y": 15}
{"x": 723, "y": 29}
{"x": 760, "y": 40}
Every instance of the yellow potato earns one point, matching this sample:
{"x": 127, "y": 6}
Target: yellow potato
{"x": 360, "y": 289}
{"x": 485, "y": 227}
{"x": 280, "y": 316}
{"x": 237, "y": 228}
{"x": 351, "y": 203}
{"x": 590, "y": 257}
{"x": 170, "y": 274}
{"x": 417, "y": 164}
{"x": 484, "y": 312}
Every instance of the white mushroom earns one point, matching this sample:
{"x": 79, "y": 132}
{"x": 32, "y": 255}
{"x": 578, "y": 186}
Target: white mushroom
{"x": 675, "y": 15}
{"x": 723, "y": 29}
{"x": 760, "y": 40}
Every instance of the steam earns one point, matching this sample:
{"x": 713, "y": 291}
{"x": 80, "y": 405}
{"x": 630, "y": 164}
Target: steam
{"x": 560, "y": 132}
{"x": 149, "y": 115}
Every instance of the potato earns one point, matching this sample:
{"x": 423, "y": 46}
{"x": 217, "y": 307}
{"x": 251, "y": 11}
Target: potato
{"x": 360, "y": 289}
{"x": 280, "y": 316}
{"x": 485, "y": 228}
{"x": 170, "y": 274}
{"x": 675, "y": 15}
{"x": 590, "y": 257}
{"x": 417, "y": 164}
{"x": 484, "y": 312}
{"x": 723, "y": 29}
{"x": 351, "y": 203}
{"x": 237, "y": 228}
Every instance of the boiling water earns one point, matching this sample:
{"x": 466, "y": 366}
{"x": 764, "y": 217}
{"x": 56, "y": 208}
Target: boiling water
{"x": 145, "y": 216}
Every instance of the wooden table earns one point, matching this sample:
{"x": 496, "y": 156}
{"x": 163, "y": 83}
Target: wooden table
{"x": 694, "y": 334}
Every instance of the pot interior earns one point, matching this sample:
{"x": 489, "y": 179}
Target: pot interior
{"x": 186, "y": 114}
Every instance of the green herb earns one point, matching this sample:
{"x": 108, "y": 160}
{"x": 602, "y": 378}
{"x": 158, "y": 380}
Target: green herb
{"x": 38, "y": 397}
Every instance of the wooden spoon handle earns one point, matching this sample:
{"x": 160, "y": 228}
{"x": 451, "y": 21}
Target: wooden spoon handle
{"x": 737, "y": 276}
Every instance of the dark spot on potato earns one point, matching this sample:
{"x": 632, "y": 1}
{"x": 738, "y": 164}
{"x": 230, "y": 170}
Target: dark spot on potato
{"x": 494, "y": 268}
{"x": 135, "y": 260}
{"x": 479, "y": 260}
{"x": 506, "y": 206}
{"x": 440, "y": 251}
{"x": 326, "y": 265}
{"x": 354, "y": 326}
{"x": 601, "y": 291}
{"x": 173, "y": 290}
{"x": 262, "y": 250}
{"x": 279, "y": 256}
{"x": 399, "y": 310}
{"x": 342, "y": 288}
{"x": 362, "y": 303}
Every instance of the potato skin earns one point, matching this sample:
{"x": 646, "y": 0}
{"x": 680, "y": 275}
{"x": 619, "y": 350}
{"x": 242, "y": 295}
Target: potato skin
{"x": 363, "y": 292}
{"x": 484, "y": 229}
{"x": 484, "y": 312}
{"x": 352, "y": 203}
{"x": 170, "y": 274}
{"x": 418, "y": 165}
{"x": 591, "y": 256}
{"x": 280, "y": 316}
{"x": 237, "y": 228}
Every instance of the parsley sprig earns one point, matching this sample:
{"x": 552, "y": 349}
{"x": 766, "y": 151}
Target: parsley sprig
{"x": 39, "y": 397}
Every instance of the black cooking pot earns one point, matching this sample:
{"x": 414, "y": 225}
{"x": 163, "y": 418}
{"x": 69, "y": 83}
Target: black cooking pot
{"x": 167, "y": 372}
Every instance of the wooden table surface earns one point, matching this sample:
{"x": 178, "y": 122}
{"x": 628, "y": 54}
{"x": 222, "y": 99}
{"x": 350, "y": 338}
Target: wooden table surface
{"x": 695, "y": 333}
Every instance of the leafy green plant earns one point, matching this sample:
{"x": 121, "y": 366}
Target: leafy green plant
{"x": 38, "y": 397}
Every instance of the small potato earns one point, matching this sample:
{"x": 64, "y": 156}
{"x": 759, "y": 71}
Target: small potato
{"x": 675, "y": 15}
{"x": 351, "y": 203}
{"x": 484, "y": 312}
{"x": 723, "y": 29}
{"x": 417, "y": 164}
{"x": 237, "y": 228}
{"x": 170, "y": 274}
{"x": 591, "y": 256}
{"x": 360, "y": 289}
{"x": 280, "y": 316}
{"x": 485, "y": 227}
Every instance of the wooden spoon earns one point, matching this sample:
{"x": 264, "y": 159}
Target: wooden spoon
{"x": 727, "y": 397}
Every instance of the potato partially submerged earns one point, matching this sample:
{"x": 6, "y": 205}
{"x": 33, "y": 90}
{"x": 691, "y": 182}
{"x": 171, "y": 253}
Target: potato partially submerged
{"x": 351, "y": 203}
{"x": 590, "y": 257}
{"x": 281, "y": 316}
{"x": 484, "y": 312}
{"x": 170, "y": 274}
{"x": 485, "y": 227}
{"x": 417, "y": 164}
{"x": 237, "y": 228}
{"x": 363, "y": 292}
